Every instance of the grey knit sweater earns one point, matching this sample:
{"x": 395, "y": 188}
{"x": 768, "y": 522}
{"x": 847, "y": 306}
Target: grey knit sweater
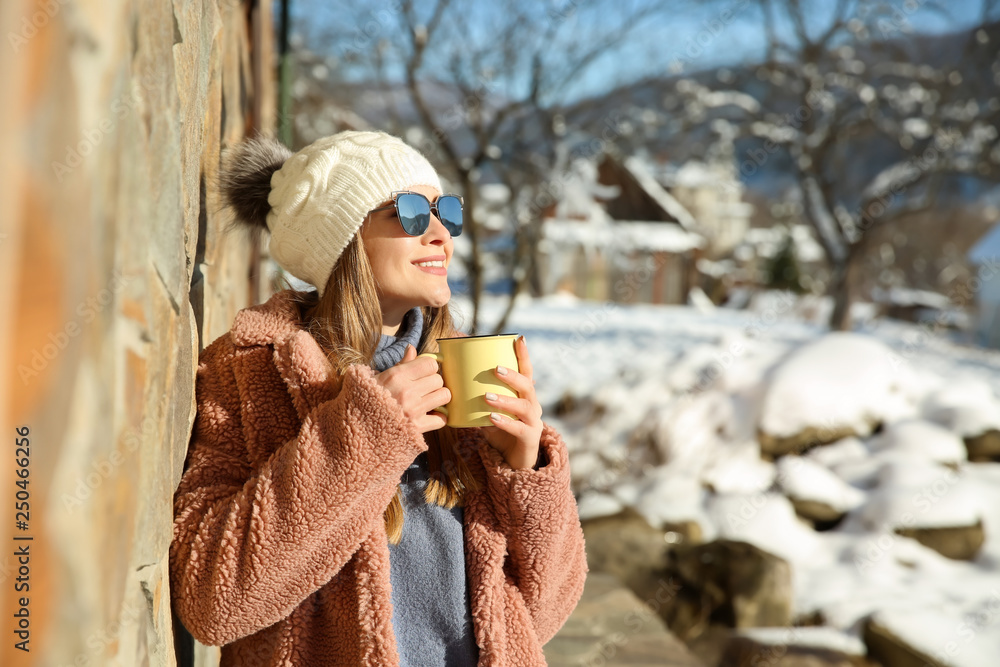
{"x": 430, "y": 594}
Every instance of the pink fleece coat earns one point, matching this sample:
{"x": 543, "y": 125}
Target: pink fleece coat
{"x": 279, "y": 552}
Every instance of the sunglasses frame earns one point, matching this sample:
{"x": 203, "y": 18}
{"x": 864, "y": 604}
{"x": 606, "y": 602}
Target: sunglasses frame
{"x": 433, "y": 207}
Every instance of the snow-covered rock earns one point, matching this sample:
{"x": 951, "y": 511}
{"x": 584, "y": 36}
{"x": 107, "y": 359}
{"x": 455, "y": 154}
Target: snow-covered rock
{"x": 819, "y": 637}
{"x": 594, "y": 504}
{"x": 803, "y": 479}
{"x": 916, "y": 439}
{"x": 845, "y": 450}
{"x": 840, "y": 384}
{"x": 668, "y": 498}
{"x": 739, "y": 469}
{"x": 767, "y": 521}
{"x": 916, "y": 494}
{"x": 972, "y": 410}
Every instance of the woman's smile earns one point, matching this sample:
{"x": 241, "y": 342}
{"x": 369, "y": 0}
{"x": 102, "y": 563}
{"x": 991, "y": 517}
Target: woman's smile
{"x": 435, "y": 265}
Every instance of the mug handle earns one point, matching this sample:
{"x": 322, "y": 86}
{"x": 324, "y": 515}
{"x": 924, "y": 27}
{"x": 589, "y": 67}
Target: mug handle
{"x": 438, "y": 357}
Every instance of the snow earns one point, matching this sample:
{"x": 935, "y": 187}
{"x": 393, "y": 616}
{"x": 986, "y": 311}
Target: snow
{"x": 804, "y": 479}
{"x": 915, "y": 439}
{"x": 595, "y": 504}
{"x": 965, "y": 640}
{"x": 621, "y": 236}
{"x": 918, "y": 496}
{"x": 810, "y": 636}
{"x": 765, "y": 242}
{"x": 902, "y": 296}
{"x": 841, "y": 380}
{"x": 968, "y": 408}
{"x": 674, "y": 399}
{"x": 766, "y": 520}
{"x": 844, "y": 450}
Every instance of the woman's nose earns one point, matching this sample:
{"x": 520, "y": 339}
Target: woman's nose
{"x": 436, "y": 230}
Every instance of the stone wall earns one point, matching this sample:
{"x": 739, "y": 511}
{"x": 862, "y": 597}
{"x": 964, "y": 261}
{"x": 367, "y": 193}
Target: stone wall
{"x": 112, "y": 121}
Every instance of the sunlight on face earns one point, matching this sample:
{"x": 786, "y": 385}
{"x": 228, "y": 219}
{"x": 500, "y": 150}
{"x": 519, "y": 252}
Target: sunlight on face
{"x": 395, "y": 257}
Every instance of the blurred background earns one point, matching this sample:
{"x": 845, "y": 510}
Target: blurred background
{"x": 754, "y": 246}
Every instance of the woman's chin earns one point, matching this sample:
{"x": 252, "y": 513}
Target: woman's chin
{"x": 440, "y": 298}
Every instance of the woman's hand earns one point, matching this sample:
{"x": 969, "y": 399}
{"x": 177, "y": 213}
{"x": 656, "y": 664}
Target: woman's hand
{"x": 418, "y": 388}
{"x": 517, "y": 439}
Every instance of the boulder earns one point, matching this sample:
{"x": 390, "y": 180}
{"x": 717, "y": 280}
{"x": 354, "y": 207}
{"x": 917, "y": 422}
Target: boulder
{"x": 773, "y": 446}
{"x": 683, "y": 532}
{"x": 817, "y": 494}
{"x": 957, "y": 542}
{"x": 730, "y": 583}
{"x": 821, "y": 515}
{"x": 625, "y": 545}
{"x": 612, "y": 627}
{"x": 886, "y": 647}
{"x": 836, "y": 386}
{"x": 918, "y": 439}
{"x": 984, "y": 447}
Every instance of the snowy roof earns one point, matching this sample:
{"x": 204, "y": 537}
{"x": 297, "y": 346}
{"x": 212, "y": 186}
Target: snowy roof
{"x": 622, "y": 235}
{"x": 666, "y": 201}
{"x": 987, "y": 248}
{"x": 698, "y": 174}
{"x": 904, "y": 296}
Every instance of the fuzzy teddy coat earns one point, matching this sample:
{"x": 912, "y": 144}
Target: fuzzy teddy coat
{"x": 279, "y": 551}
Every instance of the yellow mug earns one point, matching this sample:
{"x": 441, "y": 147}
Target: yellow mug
{"x": 467, "y": 365}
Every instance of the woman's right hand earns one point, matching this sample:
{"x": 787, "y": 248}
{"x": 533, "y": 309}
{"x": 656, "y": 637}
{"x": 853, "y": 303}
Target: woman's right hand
{"x": 418, "y": 388}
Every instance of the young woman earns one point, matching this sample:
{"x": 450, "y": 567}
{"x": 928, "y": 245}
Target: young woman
{"x": 326, "y": 516}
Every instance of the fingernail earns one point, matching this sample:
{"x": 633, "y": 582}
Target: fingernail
{"x": 501, "y": 370}
{"x": 496, "y": 417}
{"x": 490, "y": 396}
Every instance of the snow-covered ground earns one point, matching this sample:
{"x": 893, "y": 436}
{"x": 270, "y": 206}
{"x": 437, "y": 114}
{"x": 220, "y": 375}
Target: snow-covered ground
{"x": 693, "y": 387}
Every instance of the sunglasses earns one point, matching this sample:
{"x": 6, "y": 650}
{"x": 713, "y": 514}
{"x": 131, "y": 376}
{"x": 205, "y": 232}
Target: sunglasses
{"x": 414, "y": 212}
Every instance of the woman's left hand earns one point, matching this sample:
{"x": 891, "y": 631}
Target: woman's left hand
{"x": 517, "y": 439}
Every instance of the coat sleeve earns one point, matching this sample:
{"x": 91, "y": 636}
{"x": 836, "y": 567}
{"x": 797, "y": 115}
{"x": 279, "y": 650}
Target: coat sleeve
{"x": 538, "y": 514}
{"x": 249, "y": 545}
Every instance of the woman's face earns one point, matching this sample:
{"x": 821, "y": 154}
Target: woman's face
{"x": 400, "y": 262}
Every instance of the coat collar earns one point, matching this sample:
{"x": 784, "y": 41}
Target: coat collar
{"x": 308, "y": 375}
{"x": 268, "y": 322}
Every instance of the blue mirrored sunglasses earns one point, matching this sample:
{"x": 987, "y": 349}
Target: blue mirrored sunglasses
{"x": 414, "y": 212}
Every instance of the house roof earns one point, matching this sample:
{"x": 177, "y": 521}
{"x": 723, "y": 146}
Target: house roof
{"x": 645, "y": 180}
{"x": 622, "y": 235}
{"x": 987, "y": 248}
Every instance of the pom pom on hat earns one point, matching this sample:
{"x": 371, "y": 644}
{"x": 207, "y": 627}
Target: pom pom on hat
{"x": 245, "y": 180}
{"x": 319, "y": 197}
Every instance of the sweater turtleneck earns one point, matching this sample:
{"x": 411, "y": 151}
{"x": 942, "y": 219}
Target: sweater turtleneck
{"x": 391, "y": 349}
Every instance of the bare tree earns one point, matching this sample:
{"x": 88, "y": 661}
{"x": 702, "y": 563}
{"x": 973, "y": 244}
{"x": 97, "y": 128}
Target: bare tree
{"x": 476, "y": 79}
{"x": 856, "y": 78}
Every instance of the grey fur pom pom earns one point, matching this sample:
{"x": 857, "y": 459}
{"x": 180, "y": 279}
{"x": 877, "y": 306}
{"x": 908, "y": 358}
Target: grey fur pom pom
{"x": 245, "y": 180}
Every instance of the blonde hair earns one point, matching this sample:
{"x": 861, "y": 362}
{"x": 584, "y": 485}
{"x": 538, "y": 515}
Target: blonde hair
{"x": 347, "y": 323}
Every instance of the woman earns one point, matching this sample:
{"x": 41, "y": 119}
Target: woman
{"x": 326, "y": 515}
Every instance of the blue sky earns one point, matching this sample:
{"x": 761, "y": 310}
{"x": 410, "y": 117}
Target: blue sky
{"x": 702, "y": 35}
{"x": 705, "y": 37}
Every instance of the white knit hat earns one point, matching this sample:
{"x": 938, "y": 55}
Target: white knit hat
{"x": 320, "y": 196}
